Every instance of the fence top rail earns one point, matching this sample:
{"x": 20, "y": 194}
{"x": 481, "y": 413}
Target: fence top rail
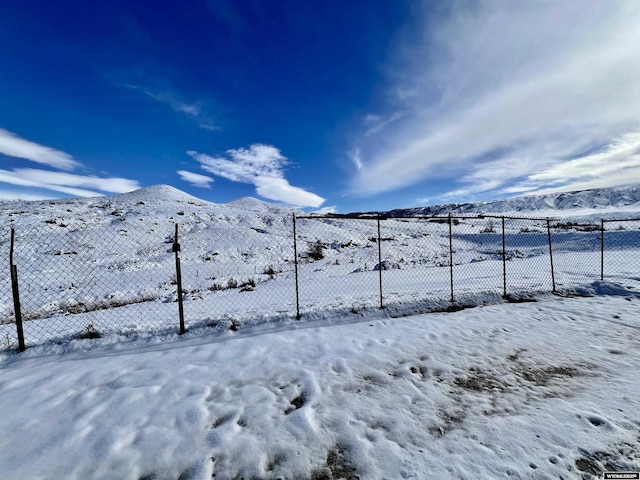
{"x": 605, "y": 220}
{"x": 443, "y": 218}
{"x": 375, "y": 216}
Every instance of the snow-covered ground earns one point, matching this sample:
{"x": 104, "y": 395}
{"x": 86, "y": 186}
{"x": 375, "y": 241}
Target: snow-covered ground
{"x": 542, "y": 390}
{"x": 106, "y": 265}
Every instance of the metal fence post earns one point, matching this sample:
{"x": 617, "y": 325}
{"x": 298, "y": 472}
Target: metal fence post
{"x": 451, "y": 256}
{"x": 601, "y": 249}
{"x": 380, "y": 261}
{"x": 295, "y": 262}
{"x": 504, "y": 262}
{"x": 176, "y": 250}
{"x": 16, "y": 295}
{"x": 553, "y": 277}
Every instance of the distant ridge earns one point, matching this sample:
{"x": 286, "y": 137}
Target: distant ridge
{"x": 167, "y": 201}
{"x": 582, "y": 202}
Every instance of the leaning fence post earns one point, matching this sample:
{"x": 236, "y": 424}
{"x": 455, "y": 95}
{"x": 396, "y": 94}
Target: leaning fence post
{"x": 504, "y": 263}
{"x": 451, "y": 257}
{"x": 601, "y": 249}
{"x": 295, "y": 262}
{"x": 16, "y": 295}
{"x": 176, "y": 250}
{"x": 553, "y": 277}
{"x": 380, "y": 261}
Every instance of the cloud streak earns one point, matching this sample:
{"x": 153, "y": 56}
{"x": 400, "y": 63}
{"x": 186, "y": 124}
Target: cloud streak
{"x": 68, "y": 183}
{"x": 262, "y": 166}
{"x": 515, "y": 93}
{"x": 14, "y": 146}
{"x": 195, "y": 179}
{"x": 62, "y": 182}
{"x": 196, "y": 111}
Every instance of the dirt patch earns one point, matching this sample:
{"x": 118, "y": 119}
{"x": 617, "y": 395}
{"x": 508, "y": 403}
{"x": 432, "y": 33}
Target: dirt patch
{"x": 542, "y": 375}
{"x": 297, "y": 402}
{"x": 499, "y": 389}
{"x": 480, "y": 381}
{"x": 621, "y": 457}
{"x": 337, "y": 466}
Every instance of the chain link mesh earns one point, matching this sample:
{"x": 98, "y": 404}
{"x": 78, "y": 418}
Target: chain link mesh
{"x": 227, "y": 279}
{"x": 70, "y": 281}
{"x": 576, "y": 253}
{"x": 337, "y": 263}
{"x": 84, "y": 282}
{"x": 621, "y": 239}
{"x": 8, "y": 336}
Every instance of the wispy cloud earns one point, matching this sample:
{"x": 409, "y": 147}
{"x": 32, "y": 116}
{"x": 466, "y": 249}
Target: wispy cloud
{"x": 68, "y": 183}
{"x": 55, "y": 181}
{"x": 195, "y": 179}
{"x": 512, "y": 96}
{"x": 262, "y": 166}
{"x": 618, "y": 164}
{"x": 196, "y": 111}
{"x": 14, "y": 146}
{"x": 326, "y": 210}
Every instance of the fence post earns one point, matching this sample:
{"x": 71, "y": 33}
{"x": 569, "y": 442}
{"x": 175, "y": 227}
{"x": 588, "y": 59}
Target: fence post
{"x": 176, "y": 250}
{"x": 451, "y": 256}
{"x": 553, "y": 277}
{"x": 295, "y": 262}
{"x": 380, "y": 261}
{"x": 16, "y": 295}
{"x": 601, "y": 249}
{"x": 504, "y": 262}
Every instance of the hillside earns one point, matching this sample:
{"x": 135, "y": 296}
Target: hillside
{"x": 164, "y": 201}
{"x": 600, "y": 202}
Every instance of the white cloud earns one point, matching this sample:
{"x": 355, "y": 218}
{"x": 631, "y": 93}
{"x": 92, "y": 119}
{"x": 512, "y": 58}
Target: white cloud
{"x": 356, "y": 158}
{"x": 62, "y": 182}
{"x": 68, "y": 183}
{"x": 14, "y": 146}
{"x": 245, "y": 164}
{"x": 326, "y": 210}
{"x": 275, "y": 188}
{"x": 618, "y": 164}
{"x": 195, "y": 179}
{"x": 195, "y": 111}
{"x": 262, "y": 166}
{"x": 515, "y": 89}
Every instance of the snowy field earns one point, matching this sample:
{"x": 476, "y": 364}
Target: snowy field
{"x": 546, "y": 389}
{"x": 541, "y": 390}
{"x": 106, "y": 266}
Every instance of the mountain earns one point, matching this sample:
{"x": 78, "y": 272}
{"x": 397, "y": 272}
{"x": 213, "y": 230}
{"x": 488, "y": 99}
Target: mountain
{"x": 164, "y": 201}
{"x": 594, "y": 202}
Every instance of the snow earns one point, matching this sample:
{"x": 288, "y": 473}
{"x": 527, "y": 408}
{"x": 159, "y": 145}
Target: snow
{"x": 527, "y": 390}
{"x": 547, "y": 388}
{"x": 597, "y": 203}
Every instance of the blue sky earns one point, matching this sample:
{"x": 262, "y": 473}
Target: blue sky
{"x": 343, "y": 106}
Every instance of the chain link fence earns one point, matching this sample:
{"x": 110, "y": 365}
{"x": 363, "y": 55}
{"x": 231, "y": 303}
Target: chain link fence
{"x": 70, "y": 282}
{"x": 620, "y": 241}
{"x": 76, "y": 283}
{"x": 227, "y": 279}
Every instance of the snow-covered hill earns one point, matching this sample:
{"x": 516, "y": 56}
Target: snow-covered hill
{"x": 166, "y": 202}
{"x": 108, "y": 262}
{"x": 596, "y": 202}
{"x": 159, "y": 202}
